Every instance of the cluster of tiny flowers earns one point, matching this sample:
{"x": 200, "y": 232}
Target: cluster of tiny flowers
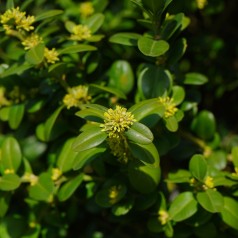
{"x": 31, "y": 178}
{"x": 113, "y": 194}
{"x": 32, "y": 41}
{"x": 163, "y": 217}
{"x": 201, "y": 3}
{"x": 80, "y": 32}
{"x": 208, "y": 183}
{"x": 76, "y": 96}
{"x": 9, "y": 171}
{"x": 19, "y": 20}
{"x": 51, "y": 56}
{"x": 3, "y": 100}
{"x": 119, "y": 148}
{"x": 117, "y": 121}
{"x": 170, "y": 107}
{"x": 86, "y": 9}
{"x": 56, "y": 173}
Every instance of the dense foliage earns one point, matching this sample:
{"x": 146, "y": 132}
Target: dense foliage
{"x": 111, "y": 124}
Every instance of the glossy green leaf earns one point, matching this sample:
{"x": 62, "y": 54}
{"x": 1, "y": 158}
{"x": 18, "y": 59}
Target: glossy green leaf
{"x": 234, "y": 153}
{"x": 83, "y": 157}
{"x": 183, "y": 207}
{"x": 181, "y": 176}
{"x": 76, "y": 49}
{"x": 68, "y": 188}
{"x": 139, "y": 133}
{"x": 43, "y": 189}
{"x": 146, "y": 108}
{"x": 66, "y": 157}
{"x": 153, "y": 81}
{"x": 4, "y": 113}
{"x": 104, "y": 197}
{"x": 112, "y": 90}
{"x": 88, "y": 139}
{"x": 16, "y": 69}
{"x": 9, "y": 182}
{"x": 217, "y": 159}
{"x": 147, "y": 154}
{"x": 35, "y": 55}
{"x": 153, "y": 48}
{"x": 171, "y": 123}
{"x": 5, "y": 198}
{"x": 129, "y": 39}
{"x": 204, "y": 125}
{"x": 144, "y": 178}
{"x": 195, "y": 79}
{"x": 95, "y": 22}
{"x": 11, "y": 155}
{"x": 10, "y": 4}
{"x": 198, "y": 167}
{"x": 229, "y": 213}
{"x": 121, "y": 76}
{"x": 91, "y": 114}
{"x": 16, "y": 113}
{"x": 122, "y": 208}
{"x": 48, "y": 14}
{"x": 211, "y": 200}
{"x": 178, "y": 94}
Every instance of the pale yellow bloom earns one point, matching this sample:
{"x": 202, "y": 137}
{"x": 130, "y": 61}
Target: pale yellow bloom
{"x": 170, "y": 107}
{"x": 32, "y": 41}
{"x": 113, "y": 193}
{"x": 86, "y": 9}
{"x": 76, "y": 96}
{"x": 117, "y": 121}
{"x": 14, "y": 17}
{"x": 201, "y": 4}
{"x": 9, "y": 171}
{"x": 208, "y": 183}
{"x": 163, "y": 217}
{"x": 51, "y": 56}
{"x": 80, "y": 32}
{"x": 31, "y": 178}
{"x": 3, "y": 100}
{"x": 56, "y": 173}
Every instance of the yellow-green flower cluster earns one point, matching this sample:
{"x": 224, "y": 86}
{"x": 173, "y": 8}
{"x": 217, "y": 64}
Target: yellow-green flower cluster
{"x": 76, "y": 96}
{"x": 3, "y": 100}
{"x": 31, "y": 178}
{"x": 208, "y": 183}
{"x": 113, "y": 193}
{"x": 14, "y": 17}
{"x": 80, "y": 32}
{"x": 163, "y": 217}
{"x": 201, "y": 4}
{"x": 170, "y": 107}
{"x": 56, "y": 173}
{"x": 117, "y": 121}
{"x": 86, "y": 9}
{"x": 51, "y": 56}
{"x": 32, "y": 41}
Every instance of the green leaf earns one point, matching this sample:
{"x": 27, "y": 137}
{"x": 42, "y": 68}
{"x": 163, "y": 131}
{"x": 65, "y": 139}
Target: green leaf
{"x": 9, "y": 182}
{"x": 35, "y": 55}
{"x": 181, "y": 176}
{"x": 234, "y": 154}
{"x": 76, "y": 49}
{"x": 211, "y": 200}
{"x": 95, "y": 21}
{"x": 153, "y": 48}
{"x": 154, "y": 6}
{"x": 208, "y": 230}
{"x": 4, "y": 113}
{"x": 198, "y": 167}
{"x": 154, "y": 225}
{"x": 48, "y": 14}
{"x": 195, "y": 79}
{"x": 147, "y": 154}
{"x": 66, "y": 157}
{"x": 112, "y": 90}
{"x": 91, "y": 114}
{"x": 16, "y": 113}
{"x": 229, "y": 213}
{"x": 121, "y": 76}
{"x": 88, "y": 139}
{"x": 204, "y": 125}
{"x": 178, "y": 94}
{"x": 43, "y": 189}
{"x": 10, "y": 4}
{"x": 183, "y": 207}
{"x": 153, "y": 81}
{"x": 68, "y": 188}
{"x": 83, "y": 157}
{"x": 139, "y": 133}
{"x": 146, "y": 108}
{"x": 171, "y": 123}
{"x": 16, "y": 69}
{"x": 144, "y": 178}
{"x": 5, "y": 198}
{"x": 122, "y": 208}
{"x": 129, "y": 39}
{"x": 11, "y": 155}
